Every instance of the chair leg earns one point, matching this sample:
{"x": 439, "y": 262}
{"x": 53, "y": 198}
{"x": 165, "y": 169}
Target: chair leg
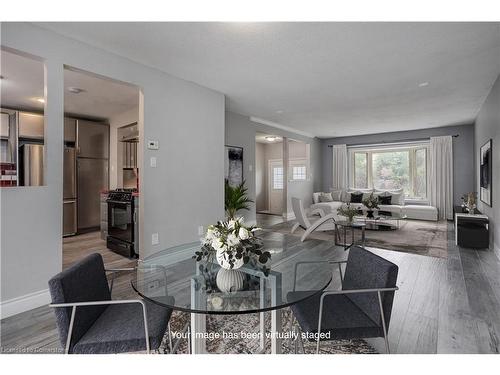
{"x": 294, "y": 228}
{"x": 171, "y": 347}
{"x": 388, "y": 351}
{"x": 382, "y": 317}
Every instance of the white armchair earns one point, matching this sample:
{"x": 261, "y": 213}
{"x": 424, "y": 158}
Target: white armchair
{"x": 324, "y": 223}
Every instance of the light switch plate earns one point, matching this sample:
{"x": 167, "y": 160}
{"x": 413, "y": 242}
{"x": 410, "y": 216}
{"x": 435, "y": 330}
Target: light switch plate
{"x": 201, "y": 232}
{"x": 155, "y": 239}
{"x": 152, "y": 162}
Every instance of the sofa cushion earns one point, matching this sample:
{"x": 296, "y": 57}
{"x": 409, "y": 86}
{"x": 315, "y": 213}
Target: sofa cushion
{"x": 385, "y": 199}
{"x": 337, "y": 195}
{"x": 316, "y": 197}
{"x": 326, "y": 207}
{"x": 325, "y": 197}
{"x": 397, "y": 195}
{"x": 356, "y": 197}
{"x": 421, "y": 212}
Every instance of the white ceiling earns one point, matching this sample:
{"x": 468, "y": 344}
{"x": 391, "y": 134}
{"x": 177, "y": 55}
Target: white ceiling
{"x": 23, "y": 83}
{"x": 328, "y": 79}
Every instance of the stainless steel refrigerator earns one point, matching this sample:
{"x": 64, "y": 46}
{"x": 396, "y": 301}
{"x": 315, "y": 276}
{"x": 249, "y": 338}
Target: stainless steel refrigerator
{"x": 31, "y": 165}
{"x": 92, "y": 162}
{"x": 69, "y": 192}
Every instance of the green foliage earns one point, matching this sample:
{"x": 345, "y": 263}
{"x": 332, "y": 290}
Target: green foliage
{"x": 371, "y": 202}
{"x": 236, "y": 199}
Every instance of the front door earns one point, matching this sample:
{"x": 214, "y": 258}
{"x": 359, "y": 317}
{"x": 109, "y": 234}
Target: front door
{"x": 276, "y": 184}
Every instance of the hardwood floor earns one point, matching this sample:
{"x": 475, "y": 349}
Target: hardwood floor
{"x": 443, "y": 306}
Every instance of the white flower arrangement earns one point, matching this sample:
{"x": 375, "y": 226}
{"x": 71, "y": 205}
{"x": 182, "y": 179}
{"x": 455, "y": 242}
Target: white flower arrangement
{"x": 234, "y": 243}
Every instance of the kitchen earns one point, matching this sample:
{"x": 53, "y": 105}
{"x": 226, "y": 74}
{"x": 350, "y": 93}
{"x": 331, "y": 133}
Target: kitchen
{"x": 100, "y": 169}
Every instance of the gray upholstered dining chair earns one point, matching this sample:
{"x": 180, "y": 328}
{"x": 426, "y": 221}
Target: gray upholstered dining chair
{"x": 361, "y": 309}
{"x": 90, "y": 322}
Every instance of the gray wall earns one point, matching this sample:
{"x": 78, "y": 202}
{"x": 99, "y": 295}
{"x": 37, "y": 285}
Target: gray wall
{"x": 183, "y": 192}
{"x": 240, "y": 131}
{"x": 488, "y": 127}
{"x": 463, "y": 151}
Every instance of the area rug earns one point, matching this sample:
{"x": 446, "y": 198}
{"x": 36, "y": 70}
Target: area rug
{"x": 413, "y": 236}
{"x": 236, "y": 326}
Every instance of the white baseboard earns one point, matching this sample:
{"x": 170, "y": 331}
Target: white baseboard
{"x": 289, "y": 216}
{"x": 24, "y": 303}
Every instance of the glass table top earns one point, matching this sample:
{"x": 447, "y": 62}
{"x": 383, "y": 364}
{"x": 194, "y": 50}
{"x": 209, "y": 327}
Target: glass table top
{"x": 173, "y": 279}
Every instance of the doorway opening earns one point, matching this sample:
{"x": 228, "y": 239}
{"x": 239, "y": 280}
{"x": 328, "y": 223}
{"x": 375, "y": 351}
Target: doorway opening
{"x": 270, "y": 175}
{"x": 101, "y": 169}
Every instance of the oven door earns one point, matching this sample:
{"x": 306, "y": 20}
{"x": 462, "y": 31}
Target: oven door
{"x": 120, "y": 223}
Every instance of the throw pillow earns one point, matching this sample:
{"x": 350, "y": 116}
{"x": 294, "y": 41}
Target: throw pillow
{"x": 325, "y": 197}
{"x": 386, "y": 200}
{"x": 336, "y": 195}
{"x": 356, "y": 197}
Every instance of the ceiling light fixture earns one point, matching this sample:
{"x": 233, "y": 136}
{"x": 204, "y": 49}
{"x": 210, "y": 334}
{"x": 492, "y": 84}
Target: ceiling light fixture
{"x": 271, "y": 138}
{"x": 423, "y": 84}
{"x": 75, "y": 90}
{"x": 279, "y": 112}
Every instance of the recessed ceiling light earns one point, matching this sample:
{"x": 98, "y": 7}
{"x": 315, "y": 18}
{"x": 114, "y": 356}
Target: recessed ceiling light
{"x": 279, "y": 112}
{"x": 75, "y": 90}
{"x": 423, "y": 84}
{"x": 271, "y": 138}
{"x": 40, "y": 100}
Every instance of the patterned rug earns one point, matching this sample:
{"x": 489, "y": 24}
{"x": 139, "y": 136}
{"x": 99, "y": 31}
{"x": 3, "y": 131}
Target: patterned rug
{"x": 413, "y": 236}
{"x": 236, "y": 326}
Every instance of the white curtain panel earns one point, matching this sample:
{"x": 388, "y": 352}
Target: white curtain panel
{"x": 441, "y": 184}
{"x": 339, "y": 167}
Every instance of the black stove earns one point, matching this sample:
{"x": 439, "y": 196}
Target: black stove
{"x": 121, "y": 195}
{"x": 122, "y": 222}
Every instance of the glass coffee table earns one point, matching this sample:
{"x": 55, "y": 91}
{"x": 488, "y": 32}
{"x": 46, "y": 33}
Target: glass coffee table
{"x": 381, "y": 220}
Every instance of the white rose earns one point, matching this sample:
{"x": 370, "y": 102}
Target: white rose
{"x": 218, "y": 245}
{"x": 243, "y": 233}
{"x": 231, "y": 224}
{"x": 232, "y": 240}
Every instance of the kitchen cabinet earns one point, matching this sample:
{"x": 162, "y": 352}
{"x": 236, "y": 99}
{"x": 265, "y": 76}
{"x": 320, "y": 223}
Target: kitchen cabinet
{"x": 69, "y": 130}
{"x": 4, "y": 132}
{"x": 31, "y": 125}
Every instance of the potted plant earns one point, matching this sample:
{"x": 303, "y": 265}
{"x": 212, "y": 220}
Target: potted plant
{"x": 232, "y": 244}
{"x": 371, "y": 203}
{"x": 348, "y": 211}
{"x": 470, "y": 200}
{"x": 235, "y": 199}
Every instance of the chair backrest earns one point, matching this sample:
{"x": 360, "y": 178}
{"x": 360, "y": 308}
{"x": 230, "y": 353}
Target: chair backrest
{"x": 365, "y": 270}
{"x": 300, "y": 213}
{"x": 82, "y": 282}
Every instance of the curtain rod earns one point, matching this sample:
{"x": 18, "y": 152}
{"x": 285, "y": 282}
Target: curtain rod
{"x": 393, "y": 142}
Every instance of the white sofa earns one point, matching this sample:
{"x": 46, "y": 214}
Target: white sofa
{"x": 418, "y": 212}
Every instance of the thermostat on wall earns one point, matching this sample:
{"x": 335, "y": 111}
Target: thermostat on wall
{"x": 153, "y": 145}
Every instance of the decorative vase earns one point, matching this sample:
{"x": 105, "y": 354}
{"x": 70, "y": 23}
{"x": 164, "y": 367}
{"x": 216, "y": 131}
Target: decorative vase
{"x": 223, "y": 261}
{"x": 230, "y": 280}
{"x": 369, "y": 213}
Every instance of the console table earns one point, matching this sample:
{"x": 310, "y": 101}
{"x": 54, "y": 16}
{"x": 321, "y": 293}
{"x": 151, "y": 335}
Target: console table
{"x": 471, "y": 230}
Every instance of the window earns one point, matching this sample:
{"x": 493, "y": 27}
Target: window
{"x": 278, "y": 178}
{"x": 391, "y": 168}
{"x": 299, "y": 172}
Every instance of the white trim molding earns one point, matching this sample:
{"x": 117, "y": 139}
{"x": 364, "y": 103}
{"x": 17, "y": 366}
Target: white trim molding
{"x": 279, "y": 126}
{"x": 24, "y": 303}
{"x": 289, "y": 216}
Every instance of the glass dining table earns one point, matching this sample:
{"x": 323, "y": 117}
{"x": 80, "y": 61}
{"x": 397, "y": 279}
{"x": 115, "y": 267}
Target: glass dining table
{"x": 173, "y": 279}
